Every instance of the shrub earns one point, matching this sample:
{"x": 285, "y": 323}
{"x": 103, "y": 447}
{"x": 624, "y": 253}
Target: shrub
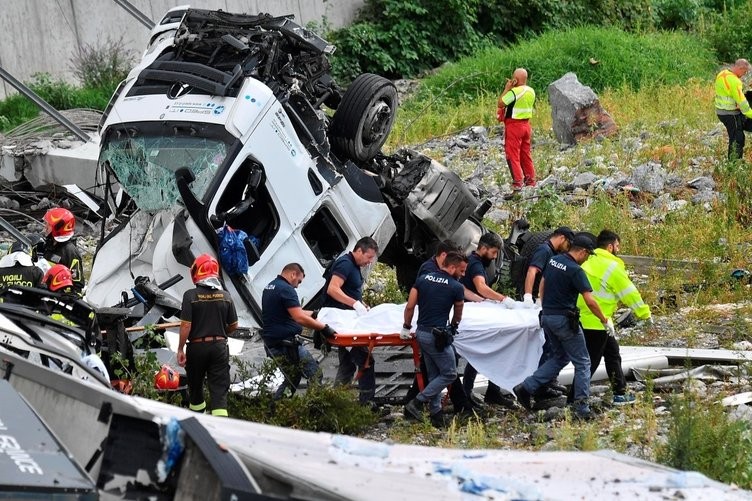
{"x": 405, "y": 37}
{"x": 104, "y": 64}
{"x": 729, "y": 32}
{"x": 703, "y": 438}
{"x": 601, "y": 58}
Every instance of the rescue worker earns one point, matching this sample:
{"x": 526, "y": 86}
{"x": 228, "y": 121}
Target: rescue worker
{"x": 283, "y": 319}
{"x": 344, "y": 290}
{"x": 477, "y": 281}
{"x": 17, "y": 268}
{"x": 460, "y": 401}
{"x": 515, "y": 109}
{"x": 732, "y": 107}
{"x": 558, "y": 242}
{"x": 563, "y": 279}
{"x": 59, "y": 245}
{"x": 207, "y": 316}
{"x": 435, "y": 294}
{"x": 611, "y": 284}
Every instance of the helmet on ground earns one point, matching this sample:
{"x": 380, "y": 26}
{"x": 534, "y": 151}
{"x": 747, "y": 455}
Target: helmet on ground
{"x": 60, "y": 223}
{"x": 58, "y": 277}
{"x": 167, "y": 378}
{"x": 205, "y": 266}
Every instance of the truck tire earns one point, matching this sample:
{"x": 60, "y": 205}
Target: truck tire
{"x": 364, "y": 117}
{"x": 519, "y": 267}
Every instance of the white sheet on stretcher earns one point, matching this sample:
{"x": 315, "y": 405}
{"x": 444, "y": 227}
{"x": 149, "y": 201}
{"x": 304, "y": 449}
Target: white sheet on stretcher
{"x": 503, "y": 345}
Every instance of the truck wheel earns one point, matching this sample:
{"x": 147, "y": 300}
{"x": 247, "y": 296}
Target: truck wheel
{"x": 364, "y": 117}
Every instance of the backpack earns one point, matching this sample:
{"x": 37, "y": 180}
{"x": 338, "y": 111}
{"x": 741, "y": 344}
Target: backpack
{"x": 232, "y": 254}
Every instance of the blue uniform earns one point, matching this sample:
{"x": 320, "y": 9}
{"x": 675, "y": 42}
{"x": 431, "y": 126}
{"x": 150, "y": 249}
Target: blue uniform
{"x": 437, "y": 293}
{"x": 279, "y": 326}
{"x": 352, "y": 285}
{"x": 542, "y": 254}
{"x": 428, "y": 266}
{"x": 565, "y": 280}
{"x": 277, "y": 297}
{"x": 475, "y": 268}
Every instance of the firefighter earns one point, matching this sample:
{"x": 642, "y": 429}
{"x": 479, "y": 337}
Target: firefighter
{"x": 60, "y": 246}
{"x": 68, "y": 307}
{"x": 17, "y": 268}
{"x": 283, "y": 320}
{"x": 732, "y": 107}
{"x": 206, "y": 318}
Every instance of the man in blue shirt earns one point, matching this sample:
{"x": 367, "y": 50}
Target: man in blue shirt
{"x": 563, "y": 281}
{"x": 435, "y": 294}
{"x": 283, "y": 320}
{"x": 476, "y": 280}
{"x": 344, "y": 290}
{"x": 559, "y": 241}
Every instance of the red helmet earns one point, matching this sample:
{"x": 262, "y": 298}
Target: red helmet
{"x": 205, "y": 266}
{"x": 60, "y": 223}
{"x": 57, "y": 277}
{"x": 167, "y": 378}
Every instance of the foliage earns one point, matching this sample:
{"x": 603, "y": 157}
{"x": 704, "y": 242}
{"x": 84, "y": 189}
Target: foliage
{"x": 703, "y": 438}
{"x": 600, "y": 57}
{"x": 736, "y": 180}
{"x": 382, "y": 287}
{"x": 405, "y": 37}
{"x": 103, "y": 65}
{"x": 318, "y": 408}
{"x": 729, "y": 31}
{"x": 547, "y": 211}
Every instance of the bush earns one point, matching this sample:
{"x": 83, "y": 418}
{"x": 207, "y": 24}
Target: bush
{"x": 729, "y": 32}
{"x": 405, "y": 37}
{"x": 703, "y": 438}
{"x": 601, "y": 58}
{"x": 103, "y": 65}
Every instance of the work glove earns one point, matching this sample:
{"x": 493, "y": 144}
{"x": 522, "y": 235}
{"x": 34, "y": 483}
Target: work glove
{"x": 405, "y": 334}
{"x": 610, "y": 330}
{"x": 539, "y": 303}
{"x": 528, "y": 299}
{"x": 509, "y": 303}
{"x": 320, "y": 339}
{"x": 328, "y": 332}
{"x": 360, "y": 308}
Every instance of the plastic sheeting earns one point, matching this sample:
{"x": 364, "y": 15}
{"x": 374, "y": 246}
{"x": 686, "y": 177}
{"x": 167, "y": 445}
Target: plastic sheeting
{"x": 504, "y": 345}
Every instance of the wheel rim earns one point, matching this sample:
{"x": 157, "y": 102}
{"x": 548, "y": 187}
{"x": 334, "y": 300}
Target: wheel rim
{"x": 377, "y": 122}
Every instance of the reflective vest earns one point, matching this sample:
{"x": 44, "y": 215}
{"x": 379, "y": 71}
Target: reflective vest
{"x": 729, "y": 95}
{"x": 611, "y": 285}
{"x": 520, "y": 100}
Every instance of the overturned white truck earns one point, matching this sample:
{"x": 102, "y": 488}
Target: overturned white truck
{"x": 235, "y": 118}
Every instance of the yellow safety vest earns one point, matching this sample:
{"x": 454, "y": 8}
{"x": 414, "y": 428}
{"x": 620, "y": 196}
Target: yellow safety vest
{"x": 522, "y": 99}
{"x": 611, "y": 284}
{"x": 729, "y": 95}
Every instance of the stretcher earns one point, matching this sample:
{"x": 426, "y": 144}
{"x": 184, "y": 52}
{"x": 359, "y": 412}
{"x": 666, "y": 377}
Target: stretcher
{"x": 372, "y": 340}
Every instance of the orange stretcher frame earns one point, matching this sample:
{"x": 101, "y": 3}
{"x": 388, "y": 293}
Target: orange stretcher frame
{"x": 373, "y": 340}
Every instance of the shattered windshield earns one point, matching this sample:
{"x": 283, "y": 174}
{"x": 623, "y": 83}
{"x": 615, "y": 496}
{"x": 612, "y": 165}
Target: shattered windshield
{"x": 144, "y": 157}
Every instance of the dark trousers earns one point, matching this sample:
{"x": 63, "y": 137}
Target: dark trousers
{"x": 354, "y": 359}
{"x": 294, "y": 361}
{"x": 735, "y": 126}
{"x": 210, "y": 360}
{"x": 492, "y": 392}
{"x": 602, "y": 346}
{"x": 456, "y": 393}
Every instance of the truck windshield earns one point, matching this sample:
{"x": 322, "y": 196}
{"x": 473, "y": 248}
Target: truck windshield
{"x": 145, "y": 156}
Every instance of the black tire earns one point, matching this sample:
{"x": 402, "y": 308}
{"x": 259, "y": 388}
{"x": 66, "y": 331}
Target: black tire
{"x": 364, "y": 117}
{"x": 519, "y": 267}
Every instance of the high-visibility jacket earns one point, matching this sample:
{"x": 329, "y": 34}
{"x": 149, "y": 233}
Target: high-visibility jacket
{"x": 519, "y": 102}
{"x": 729, "y": 95}
{"x": 611, "y": 285}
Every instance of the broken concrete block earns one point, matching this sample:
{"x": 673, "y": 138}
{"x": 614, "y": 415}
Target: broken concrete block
{"x": 576, "y": 111}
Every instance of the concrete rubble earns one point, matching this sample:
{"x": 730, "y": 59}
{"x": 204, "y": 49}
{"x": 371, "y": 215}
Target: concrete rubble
{"x": 577, "y": 112}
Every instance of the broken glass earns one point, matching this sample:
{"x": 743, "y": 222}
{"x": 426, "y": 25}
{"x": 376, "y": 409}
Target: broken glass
{"x": 144, "y": 160}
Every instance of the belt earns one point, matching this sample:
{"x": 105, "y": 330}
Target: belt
{"x": 557, "y": 311}
{"x": 207, "y": 339}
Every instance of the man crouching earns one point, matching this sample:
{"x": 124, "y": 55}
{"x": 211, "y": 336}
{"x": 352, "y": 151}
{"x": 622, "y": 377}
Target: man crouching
{"x": 435, "y": 294}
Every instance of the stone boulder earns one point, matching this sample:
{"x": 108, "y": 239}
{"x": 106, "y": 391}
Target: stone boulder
{"x": 576, "y": 111}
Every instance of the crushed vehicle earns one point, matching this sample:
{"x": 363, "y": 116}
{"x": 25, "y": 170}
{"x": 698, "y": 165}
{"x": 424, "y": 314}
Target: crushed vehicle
{"x": 235, "y": 119}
